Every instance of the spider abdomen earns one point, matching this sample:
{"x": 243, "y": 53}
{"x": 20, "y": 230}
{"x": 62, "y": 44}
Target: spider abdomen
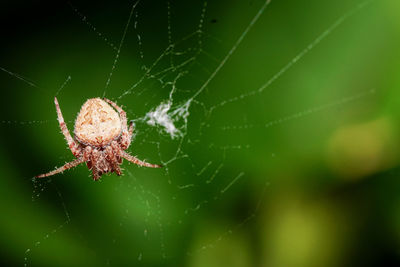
{"x": 97, "y": 123}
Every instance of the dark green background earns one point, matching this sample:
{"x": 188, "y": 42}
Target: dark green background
{"x": 320, "y": 186}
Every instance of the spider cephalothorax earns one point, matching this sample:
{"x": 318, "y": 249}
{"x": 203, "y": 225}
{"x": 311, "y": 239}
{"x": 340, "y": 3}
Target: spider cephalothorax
{"x": 101, "y": 138}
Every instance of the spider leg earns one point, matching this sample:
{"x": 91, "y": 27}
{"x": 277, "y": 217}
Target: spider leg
{"x": 73, "y": 146}
{"x": 138, "y": 161}
{"x": 95, "y": 167}
{"x": 126, "y": 134}
{"x": 126, "y": 137}
{"x": 117, "y": 151}
{"x": 113, "y": 160}
{"x": 67, "y": 166}
{"x": 131, "y": 128}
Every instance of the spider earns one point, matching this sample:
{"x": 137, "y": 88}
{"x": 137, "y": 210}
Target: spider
{"x": 101, "y": 138}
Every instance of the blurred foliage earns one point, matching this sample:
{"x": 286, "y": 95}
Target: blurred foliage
{"x": 303, "y": 174}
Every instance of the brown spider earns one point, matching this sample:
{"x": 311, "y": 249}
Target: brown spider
{"x": 101, "y": 136}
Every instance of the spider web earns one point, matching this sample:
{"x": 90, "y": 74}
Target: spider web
{"x": 175, "y": 69}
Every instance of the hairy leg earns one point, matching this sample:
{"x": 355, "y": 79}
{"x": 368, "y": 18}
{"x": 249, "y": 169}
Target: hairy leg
{"x": 73, "y": 146}
{"x": 138, "y": 161}
{"x": 126, "y": 137}
{"x": 113, "y": 160}
{"x": 94, "y": 159}
{"x": 87, "y": 154}
{"x": 117, "y": 151}
{"x": 67, "y": 166}
{"x": 131, "y": 126}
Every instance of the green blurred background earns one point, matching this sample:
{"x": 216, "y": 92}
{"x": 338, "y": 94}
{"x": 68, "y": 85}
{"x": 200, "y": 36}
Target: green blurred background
{"x": 303, "y": 174}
